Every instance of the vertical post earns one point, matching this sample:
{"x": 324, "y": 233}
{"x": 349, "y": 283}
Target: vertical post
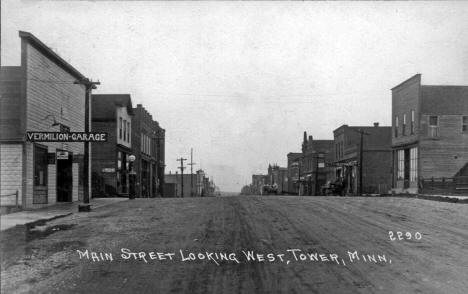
{"x": 360, "y": 162}
{"x": 316, "y": 174}
{"x": 89, "y": 85}
{"x": 181, "y": 175}
{"x": 86, "y": 150}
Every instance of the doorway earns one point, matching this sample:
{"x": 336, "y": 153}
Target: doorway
{"x": 64, "y": 176}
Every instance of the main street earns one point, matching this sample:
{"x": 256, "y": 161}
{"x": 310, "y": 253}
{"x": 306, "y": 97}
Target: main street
{"x": 345, "y": 247}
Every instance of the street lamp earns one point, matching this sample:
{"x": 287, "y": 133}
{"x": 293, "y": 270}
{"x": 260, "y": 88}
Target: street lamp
{"x": 132, "y": 174}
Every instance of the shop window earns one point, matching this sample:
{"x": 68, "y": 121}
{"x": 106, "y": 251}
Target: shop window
{"x": 413, "y": 164}
{"x": 401, "y": 164}
{"x": 40, "y": 166}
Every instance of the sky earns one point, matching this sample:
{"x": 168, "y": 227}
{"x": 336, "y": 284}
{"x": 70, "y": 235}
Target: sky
{"x": 239, "y": 82}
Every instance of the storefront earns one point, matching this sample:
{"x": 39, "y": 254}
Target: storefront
{"x": 43, "y": 105}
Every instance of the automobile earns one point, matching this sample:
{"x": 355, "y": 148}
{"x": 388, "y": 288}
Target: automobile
{"x": 331, "y": 189}
{"x": 269, "y": 189}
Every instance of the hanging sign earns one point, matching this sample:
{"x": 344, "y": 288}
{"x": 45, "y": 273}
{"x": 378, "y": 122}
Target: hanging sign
{"x": 62, "y": 155}
{"x": 66, "y": 137}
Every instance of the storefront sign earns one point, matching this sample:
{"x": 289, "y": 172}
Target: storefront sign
{"x": 66, "y": 137}
{"x": 108, "y": 170}
{"x": 62, "y": 155}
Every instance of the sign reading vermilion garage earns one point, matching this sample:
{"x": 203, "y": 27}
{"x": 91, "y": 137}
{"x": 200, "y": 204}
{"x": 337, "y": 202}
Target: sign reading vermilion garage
{"x": 66, "y": 137}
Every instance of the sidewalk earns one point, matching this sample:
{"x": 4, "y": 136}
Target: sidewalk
{"x": 47, "y": 213}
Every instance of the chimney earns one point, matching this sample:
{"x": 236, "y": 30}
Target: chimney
{"x": 376, "y": 124}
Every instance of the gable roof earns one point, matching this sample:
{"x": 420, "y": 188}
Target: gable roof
{"x": 103, "y": 105}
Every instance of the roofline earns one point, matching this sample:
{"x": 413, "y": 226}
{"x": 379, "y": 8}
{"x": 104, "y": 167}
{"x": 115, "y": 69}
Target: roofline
{"x": 446, "y": 86}
{"x": 405, "y": 81}
{"x": 51, "y": 54}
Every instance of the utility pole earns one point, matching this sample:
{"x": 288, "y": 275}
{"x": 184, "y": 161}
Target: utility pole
{"x": 191, "y": 171}
{"x": 89, "y": 86}
{"x": 181, "y": 167}
{"x": 361, "y": 151}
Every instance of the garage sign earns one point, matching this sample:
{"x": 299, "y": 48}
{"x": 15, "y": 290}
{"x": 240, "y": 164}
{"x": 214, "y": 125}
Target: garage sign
{"x": 66, "y": 137}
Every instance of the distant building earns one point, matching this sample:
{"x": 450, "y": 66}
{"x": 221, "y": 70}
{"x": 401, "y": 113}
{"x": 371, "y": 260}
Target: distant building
{"x": 201, "y": 185}
{"x": 258, "y": 181}
{"x": 293, "y": 173}
{"x": 314, "y": 170}
{"x": 376, "y": 158}
{"x": 40, "y": 95}
{"x": 277, "y": 177}
{"x": 111, "y": 113}
{"x": 429, "y": 137}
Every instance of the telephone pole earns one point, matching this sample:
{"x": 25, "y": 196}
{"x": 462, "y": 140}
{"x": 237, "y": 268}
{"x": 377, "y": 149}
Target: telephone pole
{"x": 89, "y": 86}
{"x": 361, "y": 151}
{"x": 191, "y": 171}
{"x": 181, "y": 167}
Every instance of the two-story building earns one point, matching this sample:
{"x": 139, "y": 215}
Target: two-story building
{"x": 366, "y": 149}
{"x": 111, "y": 113}
{"x": 148, "y": 139}
{"x": 314, "y": 170}
{"x": 43, "y": 95}
{"x": 429, "y": 137}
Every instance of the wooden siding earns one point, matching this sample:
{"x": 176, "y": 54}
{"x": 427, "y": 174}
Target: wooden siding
{"x": 446, "y": 155}
{"x": 50, "y": 91}
{"x": 10, "y": 104}
{"x": 11, "y": 171}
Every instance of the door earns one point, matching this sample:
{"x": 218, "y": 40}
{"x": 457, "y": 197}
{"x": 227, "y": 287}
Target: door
{"x": 64, "y": 178}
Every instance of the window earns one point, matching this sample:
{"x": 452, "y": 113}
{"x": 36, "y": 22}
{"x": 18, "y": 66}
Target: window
{"x": 433, "y": 128}
{"x": 404, "y": 125}
{"x": 465, "y": 123}
{"x": 396, "y": 126}
{"x": 413, "y": 164}
{"x": 125, "y": 130}
{"x": 120, "y": 128}
{"x": 128, "y": 131}
{"x": 412, "y": 122}
{"x": 401, "y": 164}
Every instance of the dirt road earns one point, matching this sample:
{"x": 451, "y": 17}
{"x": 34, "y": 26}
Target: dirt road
{"x": 222, "y": 233}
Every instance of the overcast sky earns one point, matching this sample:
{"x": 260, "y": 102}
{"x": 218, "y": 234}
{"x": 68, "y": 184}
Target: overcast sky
{"x": 240, "y": 82}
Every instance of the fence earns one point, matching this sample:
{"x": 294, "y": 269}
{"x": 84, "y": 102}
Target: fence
{"x": 455, "y": 185}
{"x": 10, "y": 199}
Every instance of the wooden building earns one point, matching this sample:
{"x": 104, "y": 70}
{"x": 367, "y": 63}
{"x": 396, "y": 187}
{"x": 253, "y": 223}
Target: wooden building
{"x": 40, "y": 95}
{"x": 429, "y": 137}
{"x": 111, "y": 113}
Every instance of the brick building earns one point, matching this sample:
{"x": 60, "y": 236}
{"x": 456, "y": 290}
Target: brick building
{"x": 111, "y": 113}
{"x": 147, "y": 140}
{"x": 40, "y": 95}
{"x": 376, "y": 158}
{"x": 293, "y": 173}
{"x": 277, "y": 177}
{"x": 429, "y": 137}
{"x": 314, "y": 170}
